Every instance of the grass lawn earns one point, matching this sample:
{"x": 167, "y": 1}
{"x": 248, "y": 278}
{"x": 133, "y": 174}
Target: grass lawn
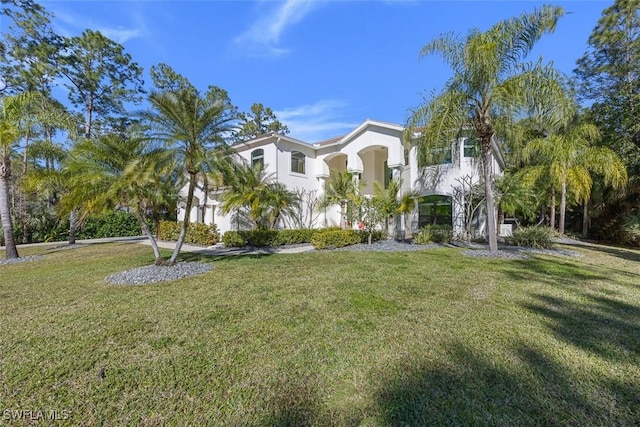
{"x": 333, "y": 338}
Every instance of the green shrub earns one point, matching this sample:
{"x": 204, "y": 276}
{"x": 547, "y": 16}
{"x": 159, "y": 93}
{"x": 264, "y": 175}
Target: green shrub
{"x": 433, "y": 234}
{"x": 260, "y": 238}
{"x": 375, "y": 235}
{"x": 631, "y": 230}
{"x": 112, "y": 224}
{"x": 532, "y": 237}
{"x": 202, "y": 234}
{"x": 197, "y": 234}
{"x": 233, "y": 239}
{"x": 335, "y": 239}
{"x": 293, "y": 237}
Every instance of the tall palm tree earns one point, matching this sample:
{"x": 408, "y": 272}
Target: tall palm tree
{"x": 192, "y": 127}
{"x": 568, "y": 156}
{"x": 340, "y": 189}
{"x": 490, "y": 84}
{"x": 12, "y": 110}
{"x": 115, "y": 172}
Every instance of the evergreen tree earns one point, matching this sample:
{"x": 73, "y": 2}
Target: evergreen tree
{"x": 260, "y": 121}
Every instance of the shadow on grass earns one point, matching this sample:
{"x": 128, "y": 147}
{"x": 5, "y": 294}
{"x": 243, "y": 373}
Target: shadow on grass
{"x": 606, "y": 327}
{"x": 470, "y": 389}
{"x": 198, "y": 257}
{"x": 295, "y": 400}
{"x": 624, "y": 253}
{"x": 553, "y": 272}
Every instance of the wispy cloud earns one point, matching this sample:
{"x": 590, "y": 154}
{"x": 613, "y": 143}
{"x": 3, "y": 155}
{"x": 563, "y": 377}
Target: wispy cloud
{"x": 71, "y": 24}
{"x": 318, "y": 121}
{"x": 263, "y": 36}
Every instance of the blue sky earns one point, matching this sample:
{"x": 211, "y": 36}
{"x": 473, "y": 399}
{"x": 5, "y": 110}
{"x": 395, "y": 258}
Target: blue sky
{"x": 323, "y": 66}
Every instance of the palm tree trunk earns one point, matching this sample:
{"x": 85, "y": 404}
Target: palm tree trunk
{"x": 73, "y": 226}
{"x": 563, "y": 206}
{"x": 488, "y": 192}
{"x": 147, "y": 232}
{"x": 552, "y": 220}
{"x": 11, "y": 249}
{"x": 585, "y": 220}
{"x": 185, "y": 221}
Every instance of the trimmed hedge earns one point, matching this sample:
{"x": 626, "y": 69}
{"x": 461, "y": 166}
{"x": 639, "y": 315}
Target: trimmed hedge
{"x": 537, "y": 237}
{"x": 262, "y": 238}
{"x": 335, "y": 239}
{"x": 197, "y": 234}
{"x": 433, "y": 234}
{"x": 112, "y": 224}
{"x": 234, "y": 239}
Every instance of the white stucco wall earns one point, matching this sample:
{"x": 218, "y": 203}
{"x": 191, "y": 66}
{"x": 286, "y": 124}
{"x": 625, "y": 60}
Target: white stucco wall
{"x": 364, "y": 151}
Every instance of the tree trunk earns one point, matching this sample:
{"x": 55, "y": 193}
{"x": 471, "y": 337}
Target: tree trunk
{"x": 552, "y": 220}
{"x": 73, "y": 226}
{"x": 147, "y": 232}
{"x": 585, "y": 220}
{"x": 488, "y": 191}
{"x": 563, "y": 206}
{"x": 11, "y": 249}
{"x": 185, "y": 221}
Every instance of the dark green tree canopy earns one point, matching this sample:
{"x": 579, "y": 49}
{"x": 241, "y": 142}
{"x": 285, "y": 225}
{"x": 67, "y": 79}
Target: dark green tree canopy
{"x": 609, "y": 75}
{"x": 259, "y": 121}
{"x": 29, "y": 47}
{"x": 101, "y": 76}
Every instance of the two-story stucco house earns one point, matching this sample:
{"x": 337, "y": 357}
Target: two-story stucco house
{"x": 375, "y": 152}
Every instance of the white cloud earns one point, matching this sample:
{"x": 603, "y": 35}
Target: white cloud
{"x": 318, "y": 121}
{"x": 263, "y": 37}
{"x": 70, "y": 24}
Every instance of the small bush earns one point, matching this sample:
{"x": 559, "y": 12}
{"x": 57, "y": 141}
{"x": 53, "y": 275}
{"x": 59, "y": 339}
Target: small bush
{"x": 631, "y": 230}
{"x": 375, "y": 235}
{"x": 532, "y": 237}
{"x": 335, "y": 239}
{"x": 234, "y": 239}
{"x": 433, "y": 234}
{"x": 197, "y": 234}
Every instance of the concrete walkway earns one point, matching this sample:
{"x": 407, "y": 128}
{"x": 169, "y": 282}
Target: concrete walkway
{"x": 216, "y": 250}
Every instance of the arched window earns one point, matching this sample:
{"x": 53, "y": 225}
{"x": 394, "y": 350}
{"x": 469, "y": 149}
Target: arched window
{"x": 257, "y": 158}
{"x": 297, "y": 162}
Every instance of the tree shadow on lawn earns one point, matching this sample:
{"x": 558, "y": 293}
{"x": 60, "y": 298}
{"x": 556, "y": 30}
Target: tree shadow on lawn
{"x": 202, "y": 257}
{"x": 470, "y": 389}
{"x": 606, "y": 327}
{"x": 628, "y": 254}
{"x": 553, "y": 271}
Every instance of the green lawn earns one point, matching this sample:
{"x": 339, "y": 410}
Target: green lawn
{"x": 334, "y": 338}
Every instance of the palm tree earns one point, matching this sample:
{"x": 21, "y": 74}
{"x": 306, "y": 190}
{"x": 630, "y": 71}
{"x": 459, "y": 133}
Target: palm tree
{"x": 391, "y": 202}
{"x": 568, "y": 155}
{"x": 192, "y": 127}
{"x": 8, "y": 136}
{"x": 12, "y": 110}
{"x": 340, "y": 189}
{"x": 252, "y": 191}
{"x": 114, "y": 172}
{"x": 490, "y": 85}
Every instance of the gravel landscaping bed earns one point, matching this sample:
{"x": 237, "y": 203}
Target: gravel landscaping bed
{"x": 154, "y": 273}
{"x": 21, "y": 259}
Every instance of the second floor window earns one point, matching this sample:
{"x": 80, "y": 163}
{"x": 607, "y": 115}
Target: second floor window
{"x": 297, "y": 162}
{"x": 257, "y": 158}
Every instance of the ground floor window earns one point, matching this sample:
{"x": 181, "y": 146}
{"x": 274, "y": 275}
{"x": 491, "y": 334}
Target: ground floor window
{"x": 434, "y": 210}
